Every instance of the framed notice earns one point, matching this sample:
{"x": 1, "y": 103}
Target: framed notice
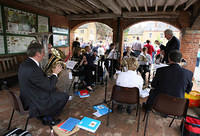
{"x": 43, "y": 24}
{"x": 18, "y": 44}
{"x": 2, "y": 49}
{"x": 60, "y": 37}
{"x": 19, "y": 22}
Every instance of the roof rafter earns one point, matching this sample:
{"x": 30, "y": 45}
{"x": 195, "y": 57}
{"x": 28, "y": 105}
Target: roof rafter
{"x": 112, "y": 5}
{"x": 189, "y": 3}
{"x": 98, "y": 4}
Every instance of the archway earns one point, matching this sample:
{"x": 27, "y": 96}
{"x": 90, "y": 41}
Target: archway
{"x": 148, "y": 30}
{"x": 94, "y": 33}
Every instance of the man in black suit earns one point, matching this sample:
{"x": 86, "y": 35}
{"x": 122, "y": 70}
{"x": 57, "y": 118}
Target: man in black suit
{"x": 172, "y": 80}
{"x": 172, "y": 44}
{"x": 37, "y": 91}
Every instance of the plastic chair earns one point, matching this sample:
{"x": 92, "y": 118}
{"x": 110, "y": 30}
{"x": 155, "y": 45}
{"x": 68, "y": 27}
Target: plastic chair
{"x": 169, "y": 106}
{"x": 127, "y": 96}
{"x": 17, "y": 106}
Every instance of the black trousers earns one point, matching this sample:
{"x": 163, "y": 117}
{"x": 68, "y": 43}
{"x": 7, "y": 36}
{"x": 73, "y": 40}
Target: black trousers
{"x": 143, "y": 69}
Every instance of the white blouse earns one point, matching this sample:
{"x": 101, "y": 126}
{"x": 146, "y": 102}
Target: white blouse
{"x": 130, "y": 79}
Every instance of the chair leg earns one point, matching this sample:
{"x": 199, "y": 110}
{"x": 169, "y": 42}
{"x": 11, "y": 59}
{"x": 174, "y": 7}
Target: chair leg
{"x": 182, "y": 131}
{"x": 11, "y": 119}
{"x": 137, "y": 110}
{"x": 171, "y": 121}
{"x": 27, "y": 122}
{"x": 146, "y": 123}
{"x": 145, "y": 113}
{"x": 138, "y": 126}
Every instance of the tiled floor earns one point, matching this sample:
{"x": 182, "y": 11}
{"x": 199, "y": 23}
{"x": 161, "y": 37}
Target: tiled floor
{"x": 121, "y": 124}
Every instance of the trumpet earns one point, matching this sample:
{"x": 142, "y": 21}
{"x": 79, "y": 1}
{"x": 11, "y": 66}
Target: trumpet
{"x": 57, "y": 57}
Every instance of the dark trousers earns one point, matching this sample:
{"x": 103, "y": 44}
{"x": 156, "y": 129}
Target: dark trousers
{"x": 143, "y": 69}
{"x": 111, "y": 66}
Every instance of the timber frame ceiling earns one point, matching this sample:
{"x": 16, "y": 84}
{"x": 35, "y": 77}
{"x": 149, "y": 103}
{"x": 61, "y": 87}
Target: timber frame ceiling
{"x": 105, "y": 9}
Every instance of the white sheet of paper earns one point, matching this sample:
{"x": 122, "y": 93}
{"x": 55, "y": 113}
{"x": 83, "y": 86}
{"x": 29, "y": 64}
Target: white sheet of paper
{"x": 70, "y": 75}
{"x": 70, "y": 64}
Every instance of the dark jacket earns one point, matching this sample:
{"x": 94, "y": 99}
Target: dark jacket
{"x": 38, "y": 92}
{"x": 173, "y": 44}
{"x": 172, "y": 80}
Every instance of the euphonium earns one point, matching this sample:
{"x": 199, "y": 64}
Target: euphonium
{"x": 57, "y": 57}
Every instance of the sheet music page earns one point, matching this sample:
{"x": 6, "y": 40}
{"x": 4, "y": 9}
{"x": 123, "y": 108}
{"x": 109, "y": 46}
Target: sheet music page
{"x": 71, "y": 64}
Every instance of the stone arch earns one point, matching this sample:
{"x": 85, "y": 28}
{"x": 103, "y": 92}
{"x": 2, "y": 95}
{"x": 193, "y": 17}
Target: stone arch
{"x": 77, "y": 23}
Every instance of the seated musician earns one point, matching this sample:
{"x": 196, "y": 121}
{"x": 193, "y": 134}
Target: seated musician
{"x": 173, "y": 80}
{"x": 129, "y": 78}
{"x": 145, "y": 63}
{"x": 128, "y": 53}
{"x": 89, "y": 68}
{"x": 111, "y": 62}
{"x": 37, "y": 91}
{"x": 57, "y": 56}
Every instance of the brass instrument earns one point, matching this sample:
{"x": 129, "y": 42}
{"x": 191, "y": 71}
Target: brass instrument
{"x": 57, "y": 57}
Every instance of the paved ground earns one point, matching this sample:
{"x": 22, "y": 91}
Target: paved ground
{"x": 121, "y": 124}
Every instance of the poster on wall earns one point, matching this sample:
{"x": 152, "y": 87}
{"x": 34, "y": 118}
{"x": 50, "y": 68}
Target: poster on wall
{"x": 60, "y": 40}
{"x": 2, "y": 49}
{"x": 43, "y": 24}
{"x": 1, "y": 24}
{"x": 19, "y": 22}
{"x": 18, "y": 44}
{"x": 60, "y": 30}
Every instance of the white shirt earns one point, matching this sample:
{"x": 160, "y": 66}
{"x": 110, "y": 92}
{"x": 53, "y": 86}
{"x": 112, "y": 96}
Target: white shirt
{"x": 39, "y": 65}
{"x": 129, "y": 79}
{"x": 112, "y": 54}
{"x": 35, "y": 61}
{"x": 144, "y": 59}
{"x": 101, "y": 51}
{"x": 137, "y": 45}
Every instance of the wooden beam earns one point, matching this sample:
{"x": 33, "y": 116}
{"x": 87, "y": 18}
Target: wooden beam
{"x": 127, "y": 5}
{"x": 92, "y": 16}
{"x": 61, "y": 6}
{"x": 150, "y": 15}
{"x": 145, "y": 15}
{"x": 165, "y": 5}
{"x": 189, "y": 3}
{"x": 151, "y": 3}
{"x": 156, "y": 5}
{"x": 111, "y": 4}
{"x": 79, "y": 5}
{"x": 145, "y": 5}
{"x": 131, "y": 3}
{"x": 71, "y": 6}
{"x": 136, "y": 4}
{"x": 90, "y": 6}
{"x": 25, "y": 0}
{"x": 178, "y": 3}
{"x": 98, "y": 4}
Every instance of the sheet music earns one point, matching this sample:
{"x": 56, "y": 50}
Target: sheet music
{"x": 71, "y": 64}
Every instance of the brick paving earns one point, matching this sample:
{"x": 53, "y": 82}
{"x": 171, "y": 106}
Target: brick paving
{"x": 121, "y": 124}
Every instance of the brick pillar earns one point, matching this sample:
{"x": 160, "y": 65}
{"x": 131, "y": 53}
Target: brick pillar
{"x": 118, "y": 35}
{"x": 190, "y": 41}
{"x": 71, "y": 41}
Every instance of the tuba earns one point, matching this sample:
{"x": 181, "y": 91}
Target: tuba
{"x": 57, "y": 57}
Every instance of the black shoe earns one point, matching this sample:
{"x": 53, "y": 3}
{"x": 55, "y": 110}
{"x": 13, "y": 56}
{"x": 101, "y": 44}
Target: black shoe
{"x": 50, "y": 121}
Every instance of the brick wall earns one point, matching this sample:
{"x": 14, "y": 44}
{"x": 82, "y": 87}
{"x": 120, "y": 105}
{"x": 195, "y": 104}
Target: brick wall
{"x": 190, "y": 41}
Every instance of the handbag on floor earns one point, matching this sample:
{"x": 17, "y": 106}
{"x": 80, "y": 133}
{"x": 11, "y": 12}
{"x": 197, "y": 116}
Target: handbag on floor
{"x": 17, "y": 132}
{"x": 192, "y": 126}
